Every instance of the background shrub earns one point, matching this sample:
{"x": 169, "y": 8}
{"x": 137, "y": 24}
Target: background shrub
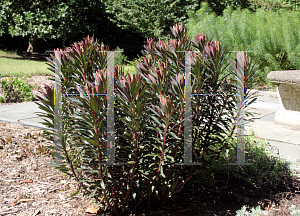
{"x": 218, "y": 6}
{"x": 120, "y": 58}
{"x": 274, "y": 5}
{"x": 16, "y": 90}
{"x": 272, "y": 36}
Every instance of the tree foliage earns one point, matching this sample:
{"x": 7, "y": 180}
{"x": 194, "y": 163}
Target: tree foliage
{"x": 50, "y": 19}
{"x": 218, "y": 6}
{"x": 149, "y": 18}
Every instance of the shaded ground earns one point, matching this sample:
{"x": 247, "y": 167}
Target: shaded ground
{"x": 221, "y": 200}
{"x": 25, "y": 55}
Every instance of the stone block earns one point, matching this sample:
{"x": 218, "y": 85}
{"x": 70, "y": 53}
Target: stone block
{"x": 288, "y": 93}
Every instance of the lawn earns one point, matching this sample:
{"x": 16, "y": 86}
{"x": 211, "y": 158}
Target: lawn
{"x": 14, "y": 67}
{"x": 2, "y": 52}
{"x": 19, "y": 67}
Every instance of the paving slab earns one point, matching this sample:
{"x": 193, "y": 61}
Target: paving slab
{"x": 22, "y": 113}
{"x": 259, "y": 113}
{"x": 269, "y": 118}
{"x": 286, "y": 139}
{"x": 287, "y": 150}
{"x": 266, "y": 103}
{"x": 270, "y": 131}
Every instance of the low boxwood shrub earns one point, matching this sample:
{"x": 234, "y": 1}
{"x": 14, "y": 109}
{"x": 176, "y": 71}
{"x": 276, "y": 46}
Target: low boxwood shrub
{"x": 133, "y": 63}
{"x": 16, "y": 90}
{"x": 149, "y": 118}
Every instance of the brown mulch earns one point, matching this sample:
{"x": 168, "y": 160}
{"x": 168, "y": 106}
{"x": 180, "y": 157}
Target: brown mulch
{"x": 40, "y": 81}
{"x": 29, "y": 186}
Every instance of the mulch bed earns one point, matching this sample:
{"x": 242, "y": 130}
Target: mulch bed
{"x": 28, "y": 184}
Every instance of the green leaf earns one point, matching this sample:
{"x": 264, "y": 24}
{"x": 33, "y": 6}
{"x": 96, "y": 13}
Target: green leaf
{"x": 150, "y": 155}
{"x": 138, "y": 106}
{"x": 131, "y": 162}
{"x": 93, "y": 194}
{"x": 156, "y": 192}
{"x": 173, "y": 186}
{"x": 102, "y": 184}
{"x": 156, "y": 120}
{"x": 46, "y": 109}
{"x": 74, "y": 194}
{"x": 95, "y": 104}
{"x": 173, "y": 135}
{"x": 164, "y": 188}
{"x": 152, "y": 164}
{"x": 162, "y": 172}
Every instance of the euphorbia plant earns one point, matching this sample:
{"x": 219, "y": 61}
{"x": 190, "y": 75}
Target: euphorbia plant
{"x": 149, "y": 118}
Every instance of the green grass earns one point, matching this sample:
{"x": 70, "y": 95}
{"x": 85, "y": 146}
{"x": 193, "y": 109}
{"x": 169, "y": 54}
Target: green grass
{"x": 3, "y": 52}
{"x": 130, "y": 69}
{"x": 18, "y": 68}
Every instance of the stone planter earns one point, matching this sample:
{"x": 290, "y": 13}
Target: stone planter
{"x": 288, "y": 93}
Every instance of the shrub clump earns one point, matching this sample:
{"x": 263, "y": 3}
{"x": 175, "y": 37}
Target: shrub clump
{"x": 16, "y": 90}
{"x": 149, "y": 113}
{"x": 270, "y": 35}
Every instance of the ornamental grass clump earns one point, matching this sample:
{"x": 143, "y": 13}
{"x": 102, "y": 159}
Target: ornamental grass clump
{"x": 149, "y": 118}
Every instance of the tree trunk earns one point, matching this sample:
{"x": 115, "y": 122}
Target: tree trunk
{"x": 32, "y": 44}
